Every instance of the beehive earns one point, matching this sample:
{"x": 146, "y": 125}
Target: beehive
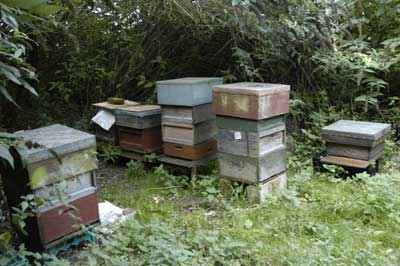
{"x": 355, "y": 139}
{"x": 60, "y": 154}
{"x": 110, "y": 135}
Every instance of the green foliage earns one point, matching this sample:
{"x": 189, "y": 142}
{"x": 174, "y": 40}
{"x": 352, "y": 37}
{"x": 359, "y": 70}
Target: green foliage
{"x": 109, "y": 152}
{"x": 135, "y": 169}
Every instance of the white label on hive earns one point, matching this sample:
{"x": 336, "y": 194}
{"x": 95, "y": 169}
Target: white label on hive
{"x": 238, "y": 135}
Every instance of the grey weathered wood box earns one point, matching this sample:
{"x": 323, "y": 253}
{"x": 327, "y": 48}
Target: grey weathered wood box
{"x": 190, "y": 91}
{"x": 252, "y": 170}
{"x": 248, "y": 143}
{"x": 188, "y": 134}
{"x": 355, "y": 139}
{"x": 189, "y": 115}
{"x": 251, "y": 100}
{"x": 138, "y": 117}
{"x": 64, "y": 152}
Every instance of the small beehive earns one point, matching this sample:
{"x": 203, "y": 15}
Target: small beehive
{"x": 190, "y": 91}
{"x": 252, "y": 170}
{"x": 188, "y": 134}
{"x": 138, "y": 117}
{"x": 355, "y": 139}
{"x": 110, "y": 135}
{"x": 251, "y": 100}
{"x": 250, "y": 137}
{"x": 191, "y": 152}
{"x": 61, "y": 157}
{"x": 189, "y": 115}
{"x": 139, "y": 128}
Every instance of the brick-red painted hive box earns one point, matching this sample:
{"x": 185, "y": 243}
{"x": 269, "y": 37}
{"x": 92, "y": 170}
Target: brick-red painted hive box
{"x": 251, "y": 100}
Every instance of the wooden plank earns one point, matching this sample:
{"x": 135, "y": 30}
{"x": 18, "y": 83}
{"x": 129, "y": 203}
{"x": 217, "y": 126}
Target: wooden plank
{"x": 187, "y": 134}
{"x": 109, "y": 106}
{"x": 189, "y": 152}
{"x": 342, "y": 161}
{"x": 251, "y": 100}
{"x": 186, "y": 163}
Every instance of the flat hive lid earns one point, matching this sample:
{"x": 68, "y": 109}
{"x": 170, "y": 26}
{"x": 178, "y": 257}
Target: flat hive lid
{"x": 58, "y": 138}
{"x": 110, "y": 106}
{"x": 140, "y": 110}
{"x": 357, "y": 129}
{"x": 252, "y": 88}
{"x": 189, "y": 81}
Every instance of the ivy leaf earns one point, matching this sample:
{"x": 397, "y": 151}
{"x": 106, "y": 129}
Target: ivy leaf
{"x": 5, "y": 154}
{"x": 5, "y": 238}
{"x": 7, "y": 95}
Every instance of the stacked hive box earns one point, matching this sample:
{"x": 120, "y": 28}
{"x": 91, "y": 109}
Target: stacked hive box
{"x": 188, "y": 123}
{"x": 251, "y": 133}
{"x": 139, "y": 128}
{"x": 109, "y": 135}
{"x": 60, "y": 170}
{"x": 354, "y": 143}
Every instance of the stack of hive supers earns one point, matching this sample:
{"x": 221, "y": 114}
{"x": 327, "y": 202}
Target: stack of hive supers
{"x": 354, "y": 144}
{"x": 105, "y": 120}
{"x": 139, "y": 128}
{"x": 59, "y": 169}
{"x": 188, "y": 123}
{"x": 251, "y": 133}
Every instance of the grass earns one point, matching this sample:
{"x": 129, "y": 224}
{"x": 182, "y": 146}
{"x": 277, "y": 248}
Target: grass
{"x": 320, "y": 220}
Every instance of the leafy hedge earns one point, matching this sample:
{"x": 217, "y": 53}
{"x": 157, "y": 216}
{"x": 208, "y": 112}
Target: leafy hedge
{"x": 345, "y": 51}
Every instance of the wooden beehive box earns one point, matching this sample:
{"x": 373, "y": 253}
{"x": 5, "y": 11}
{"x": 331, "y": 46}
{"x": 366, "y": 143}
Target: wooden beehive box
{"x": 110, "y": 135}
{"x": 190, "y": 91}
{"x": 355, "y": 139}
{"x": 189, "y": 115}
{"x": 61, "y": 154}
{"x": 188, "y": 134}
{"x": 190, "y": 152}
{"x": 138, "y": 117}
{"x": 252, "y": 170}
{"x": 250, "y": 137}
{"x": 251, "y": 100}
{"x": 146, "y": 140}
